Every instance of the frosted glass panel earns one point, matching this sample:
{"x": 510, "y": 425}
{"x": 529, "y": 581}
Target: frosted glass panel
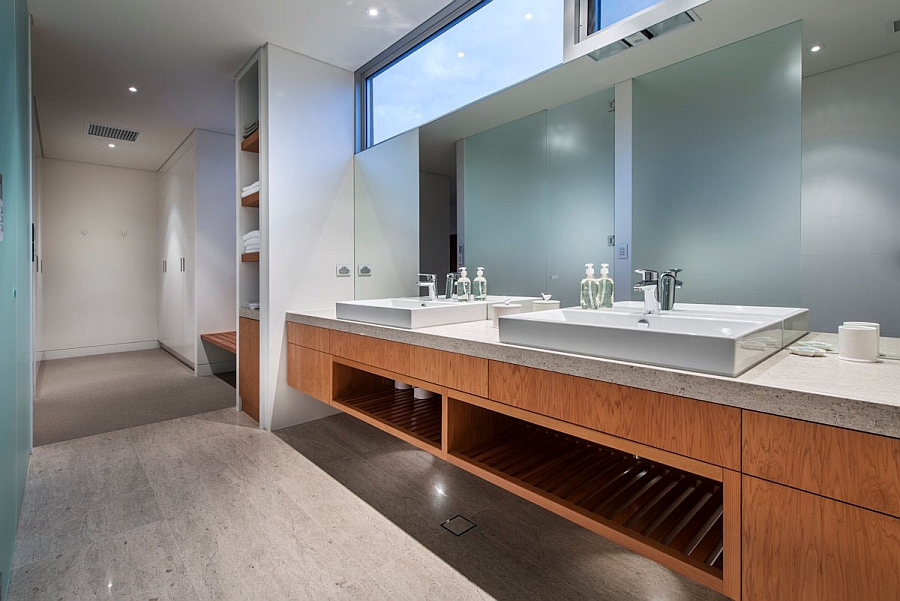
{"x": 581, "y": 175}
{"x": 717, "y": 171}
{"x": 539, "y": 199}
{"x": 506, "y": 205}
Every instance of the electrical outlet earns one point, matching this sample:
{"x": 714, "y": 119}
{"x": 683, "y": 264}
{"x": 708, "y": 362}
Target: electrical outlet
{"x": 610, "y": 240}
{"x": 343, "y": 270}
{"x": 364, "y": 270}
{"x": 622, "y": 251}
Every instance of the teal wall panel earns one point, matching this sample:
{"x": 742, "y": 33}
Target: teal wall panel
{"x": 16, "y": 357}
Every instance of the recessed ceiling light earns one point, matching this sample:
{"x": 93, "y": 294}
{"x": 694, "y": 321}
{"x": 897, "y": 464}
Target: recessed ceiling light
{"x": 815, "y": 48}
{"x": 461, "y": 54}
{"x": 111, "y": 145}
{"x": 528, "y": 16}
{"x": 132, "y": 89}
{"x": 372, "y": 11}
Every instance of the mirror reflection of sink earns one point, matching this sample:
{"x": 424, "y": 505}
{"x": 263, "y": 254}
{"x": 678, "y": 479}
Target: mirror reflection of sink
{"x": 419, "y": 312}
{"x": 715, "y": 339}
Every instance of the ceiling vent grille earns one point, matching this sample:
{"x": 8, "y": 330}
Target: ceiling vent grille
{"x": 113, "y": 133}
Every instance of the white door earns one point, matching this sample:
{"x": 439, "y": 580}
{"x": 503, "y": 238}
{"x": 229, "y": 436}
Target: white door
{"x": 185, "y": 176}
{"x": 170, "y": 317}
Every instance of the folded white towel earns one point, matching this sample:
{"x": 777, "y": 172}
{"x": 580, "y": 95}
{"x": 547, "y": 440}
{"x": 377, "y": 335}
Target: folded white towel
{"x": 252, "y": 239}
{"x": 252, "y": 244}
{"x": 251, "y": 249}
{"x": 253, "y": 234}
{"x": 247, "y": 193}
{"x": 253, "y": 185}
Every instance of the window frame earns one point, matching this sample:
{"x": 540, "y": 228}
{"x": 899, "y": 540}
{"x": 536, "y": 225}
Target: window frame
{"x": 447, "y": 17}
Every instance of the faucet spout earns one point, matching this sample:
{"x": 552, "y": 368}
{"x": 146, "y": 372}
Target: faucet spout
{"x": 649, "y": 285}
{"x": 429, "y": 281}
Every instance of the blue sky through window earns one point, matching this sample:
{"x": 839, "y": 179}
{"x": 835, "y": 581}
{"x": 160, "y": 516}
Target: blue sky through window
{"x": 501, "y": 44}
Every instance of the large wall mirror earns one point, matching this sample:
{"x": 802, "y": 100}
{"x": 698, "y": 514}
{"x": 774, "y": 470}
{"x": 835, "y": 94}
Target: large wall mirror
{"x": 770, "y": 176}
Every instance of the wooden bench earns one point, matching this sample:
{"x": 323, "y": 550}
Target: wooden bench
{"x": 224, "y": 340}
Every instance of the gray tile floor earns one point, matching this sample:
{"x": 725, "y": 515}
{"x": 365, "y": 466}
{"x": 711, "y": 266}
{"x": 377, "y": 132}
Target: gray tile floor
{"x": 210, "y": 507}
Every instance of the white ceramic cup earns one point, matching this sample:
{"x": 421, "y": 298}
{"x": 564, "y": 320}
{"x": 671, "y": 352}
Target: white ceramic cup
{"x": 858, "y": 343}
{"x": 545, "y": 305}
{"x": 504, "y": 309}
{"x": 868, "y": 324}
{"x": 421, "y": 393}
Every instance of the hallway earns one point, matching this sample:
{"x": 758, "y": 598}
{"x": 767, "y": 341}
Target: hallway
{"x": 211, "y": 507}
{"x": 85, "y": 396}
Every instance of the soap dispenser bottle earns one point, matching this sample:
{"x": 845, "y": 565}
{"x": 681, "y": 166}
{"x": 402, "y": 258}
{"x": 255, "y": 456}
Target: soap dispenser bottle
{"x": 606, "y": 287}
{"x": 463, "y": 287}
{"x": 590, "y": 288}
{"x": 479, "y": 285}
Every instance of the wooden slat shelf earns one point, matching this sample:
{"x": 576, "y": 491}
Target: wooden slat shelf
{"x": 671, "y": 510}
{"x": 224, "y": 340}
{"x": 397, "y": 409}
{"x": 251, "y": 143}
{"x": 251, "y": 201}
{"x": 250, "y": 257}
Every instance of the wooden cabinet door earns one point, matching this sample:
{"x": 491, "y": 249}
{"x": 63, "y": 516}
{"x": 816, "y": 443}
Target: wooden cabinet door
{"x": 309, "y": 371}
{"x": 248, "y": 365}
{"x": 798, "y": 546}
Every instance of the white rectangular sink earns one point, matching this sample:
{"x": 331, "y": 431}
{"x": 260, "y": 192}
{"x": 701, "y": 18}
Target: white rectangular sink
{"x": 410, "y": 313}
{"x": 419, "y": 312}
{"x": 715, "y": 339}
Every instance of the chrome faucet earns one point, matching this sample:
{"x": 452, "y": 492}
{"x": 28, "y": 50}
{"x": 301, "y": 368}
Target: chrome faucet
{"x": 668, "y": 283}
{"x": 649, "y": 285}
{"x": 450, "y": 286}
{"x": 430, "y": 283}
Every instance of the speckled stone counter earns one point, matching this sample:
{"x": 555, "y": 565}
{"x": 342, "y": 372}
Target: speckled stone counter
{"x": 826, "y": 390}
{"x": 250, "y": 313}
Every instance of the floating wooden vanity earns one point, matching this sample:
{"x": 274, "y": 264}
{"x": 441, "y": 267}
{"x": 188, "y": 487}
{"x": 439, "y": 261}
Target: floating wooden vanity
{"x": 757, "y": 507}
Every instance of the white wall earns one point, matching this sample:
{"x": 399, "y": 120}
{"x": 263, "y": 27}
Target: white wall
{"x": 306, "y": 212}
{"x": 100, "y": 288}
{"x": 850, "y": 245}
{"x": 387, "y": 217}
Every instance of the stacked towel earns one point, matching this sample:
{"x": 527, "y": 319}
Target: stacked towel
{"x": 251, "y": 242}
{"x": 251, "y": 127}
{"x": 251, "y": 189}
{"x": 252, "y": 305}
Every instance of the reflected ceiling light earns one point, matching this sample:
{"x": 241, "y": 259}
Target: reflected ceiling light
{"x": 461, "y": 54}
{"x": 815, "y": 48}
{"x": 111, "y": 145}
{"x": 528, "y": 16}
{"x": 132, "y": 89}
{"x": 372, "y": 11}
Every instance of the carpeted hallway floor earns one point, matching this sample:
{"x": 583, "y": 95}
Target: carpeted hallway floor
{"x": 83, "y": 396}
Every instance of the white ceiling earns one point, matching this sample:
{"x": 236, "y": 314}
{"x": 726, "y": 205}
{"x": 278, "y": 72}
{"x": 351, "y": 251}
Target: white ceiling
{"x": 849, "y": 31}
{"x": 182, "y": 56}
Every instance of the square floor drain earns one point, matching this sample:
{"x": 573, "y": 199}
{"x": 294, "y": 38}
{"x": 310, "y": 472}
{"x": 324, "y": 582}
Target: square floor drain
{"x": 458, "y": 525}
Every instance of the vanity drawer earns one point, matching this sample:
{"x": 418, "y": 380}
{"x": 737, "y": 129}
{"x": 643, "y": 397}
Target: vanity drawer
{"x": 309, "y": 371}
{"x": 308, "y": 336}
{"x": 392, "y": 356}
{"x": 858, "y": 468}
{"x": 704, "y": 431}
{"x": 455, "y": 371}
{"x": 797, "y": 546}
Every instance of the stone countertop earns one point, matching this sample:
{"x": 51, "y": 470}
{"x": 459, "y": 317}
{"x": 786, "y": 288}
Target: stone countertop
{"x": 825, "y": 390}
{"x": 249, "y": 313}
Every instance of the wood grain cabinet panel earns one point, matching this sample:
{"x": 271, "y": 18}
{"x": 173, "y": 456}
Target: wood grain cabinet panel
{"x": 697, "y": 429}
{"x": 248, "y": 364}
{"x": 798, "y": 546}
{"x": 455, "y": 371}
{"x": 392, "y": 356}
{"x": 863, "y": 469}
{"x": 308, "y": 336}
{"x": 309, "y": 371}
